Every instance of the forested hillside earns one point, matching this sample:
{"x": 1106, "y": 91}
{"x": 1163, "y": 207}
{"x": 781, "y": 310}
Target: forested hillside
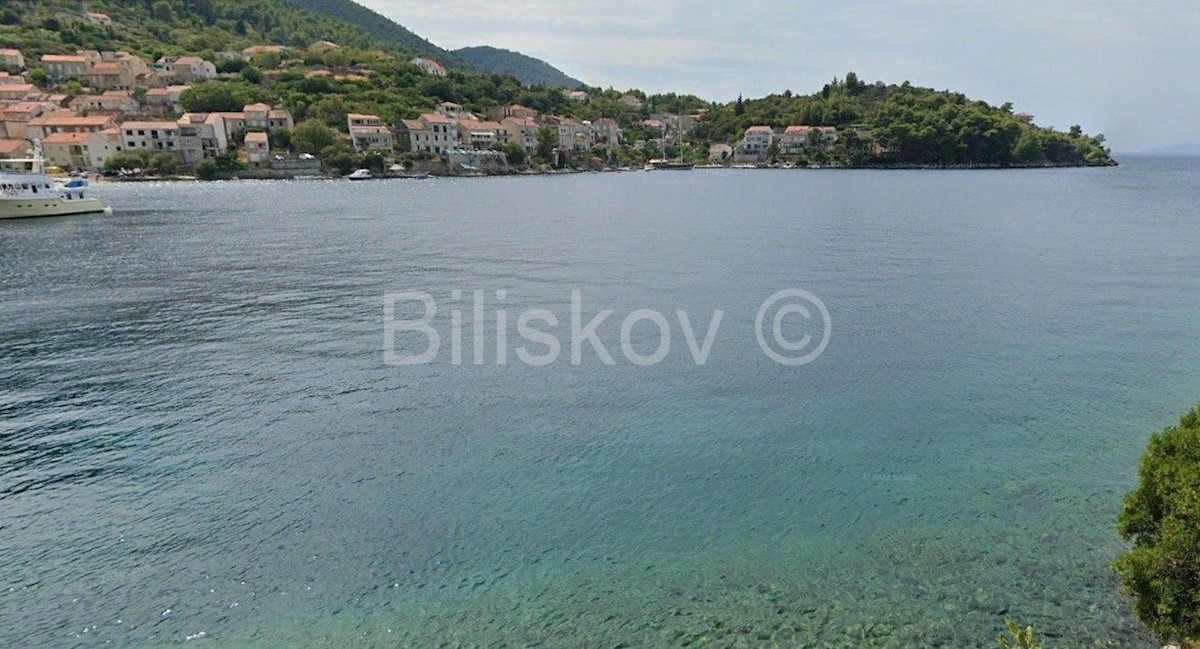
{"x": 531, "y": 71}
{"x": 909, "y": 125}
{"x": 379, "y": 26}
{"x": 175, "y": 27}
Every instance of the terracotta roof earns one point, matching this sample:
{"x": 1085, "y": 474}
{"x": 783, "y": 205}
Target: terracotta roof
{"x": 14, "y": 147}
{"x": 760, "y": 129}
{"x": 67, "y": 138}
{"x": 436, "y": 118}
{"x": 477, "y": 125}
{"x": 162, "y": 126}
{"x": 106, "y": 67}
{"x": 69, "y": 119}
{"x": 256, "y": 108}
{"x": 63, "y": 58}
{"x": 260, "y": 138}
{"x": 278, "y": 113}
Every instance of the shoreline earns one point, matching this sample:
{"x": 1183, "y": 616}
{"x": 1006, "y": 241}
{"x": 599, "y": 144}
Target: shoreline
{"x": 101, "y": 179}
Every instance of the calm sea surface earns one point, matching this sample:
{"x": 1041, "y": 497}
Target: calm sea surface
{"x": 199, "y": 436}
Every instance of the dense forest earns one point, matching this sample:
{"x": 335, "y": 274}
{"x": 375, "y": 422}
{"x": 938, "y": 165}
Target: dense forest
{"x": 531, "y": 71}
{"x": 878, "y": 124}
{"x": 377, "y": 25}
{"x": 908, "y": 125}
{"x": 150, "y": 27}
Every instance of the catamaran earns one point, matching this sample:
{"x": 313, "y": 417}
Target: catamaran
{"x": 28, "y": 193}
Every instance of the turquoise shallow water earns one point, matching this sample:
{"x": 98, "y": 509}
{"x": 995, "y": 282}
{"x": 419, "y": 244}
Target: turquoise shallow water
{"x": 199, "y": 434}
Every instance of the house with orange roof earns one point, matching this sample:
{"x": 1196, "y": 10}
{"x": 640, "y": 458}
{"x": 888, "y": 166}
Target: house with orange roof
{"x": 154, "y": 137}
{"x": 480, "y": 135}
{"x": 11, "y": 59}
{"x": 202, "y": 135}
{"x": 796, "y": 139}
{"x": 15, "y": 118}
{"x": 754, "y": 144}
{"x": 113, "y": 101}
{"x": 161, "y": 102}
{"x": 18, "y": 91}
{"x": 47, "y": 124}
{"x": 258, "y": 148}
{"x": 522, "y": 130}
{"x": 61, "y": 67}
{"x": 14, "y": 148}
{"x": 498, "y": 113}
{"x": 265, "y": 117}
{"x": 369, "y": 133}
{"x": 68, "y": 150}
{"x": 607, "y": 132}
{"x": 451, "y": 110}
{"x": 429, "y": 66}
{"x": 432, "y": 132}
{"x": 103, "y": 145}
{"x": 184, "y": 69}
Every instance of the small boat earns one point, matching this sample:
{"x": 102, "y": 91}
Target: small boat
{"x": 670, "y": 165}
{"x": 28, "y": 193}
{"x": 361, "y": 174}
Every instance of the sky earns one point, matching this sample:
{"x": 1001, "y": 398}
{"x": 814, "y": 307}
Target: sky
{"x": 1130, "y": 70}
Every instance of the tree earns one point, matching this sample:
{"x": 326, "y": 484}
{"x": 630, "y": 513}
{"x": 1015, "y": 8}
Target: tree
{"x": 547, "y": 141}
{"x": 207, "y": 169}
{"x": 10, "y": 17}
{"x": 164, "y": 164}
{"x": 281, "y": 139}
{"x": 515, "y": 153}
{"x": 338, "y": 157}
{"x": 127, "y": 162}
{"x": 312, "y": 136}
{"x": 252, "y": 75}
{"x": 72, "y": 88}
{"x": 1162, "y": 519}
{"x": 162, "y": 12}
{"x": 40, "y": 78}
{"x": 210, "y": 98}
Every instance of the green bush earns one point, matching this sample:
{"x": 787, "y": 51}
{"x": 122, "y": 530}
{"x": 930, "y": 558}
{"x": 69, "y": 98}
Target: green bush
{"x": 1162, "y": 519}
{"x": 1018, "y": 638}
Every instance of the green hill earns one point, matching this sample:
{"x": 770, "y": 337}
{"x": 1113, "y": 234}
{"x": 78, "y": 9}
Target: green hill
{"x": 377, "y": 25}
{"x": 531, "y": 71}
{"x": 150, "y": 27}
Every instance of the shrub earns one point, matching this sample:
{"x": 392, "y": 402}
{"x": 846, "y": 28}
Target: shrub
{"x": 1018, "y": 638}
{"x": 1162, "y": 519}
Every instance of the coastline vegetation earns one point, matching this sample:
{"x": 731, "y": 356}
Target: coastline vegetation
{"x": 878, "y": 124}
{"x": 1161, "y": 517}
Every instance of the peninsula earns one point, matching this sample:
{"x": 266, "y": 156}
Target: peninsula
{"x": 264, "y": 88}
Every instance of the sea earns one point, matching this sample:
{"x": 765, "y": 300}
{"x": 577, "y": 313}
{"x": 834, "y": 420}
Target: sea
{"x": 710, "y": 408}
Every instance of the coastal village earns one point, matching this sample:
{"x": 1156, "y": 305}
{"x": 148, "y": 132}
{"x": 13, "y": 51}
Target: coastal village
{"x": 91, "y": 108}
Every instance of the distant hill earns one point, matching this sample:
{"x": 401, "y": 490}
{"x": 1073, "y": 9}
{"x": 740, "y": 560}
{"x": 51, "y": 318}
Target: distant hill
{"x": 1186, "y": 149}
{"x": 191, "y": 26}
{"x": 529, "y": 70}
{"x": 377, "y": 25}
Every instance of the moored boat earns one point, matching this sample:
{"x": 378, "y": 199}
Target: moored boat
{"x": 31, "y": 192}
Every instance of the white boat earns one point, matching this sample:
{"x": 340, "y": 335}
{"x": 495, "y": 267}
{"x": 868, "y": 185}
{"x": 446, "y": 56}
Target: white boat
{"x": 29, "y": 193}
{"x": 361, "y": 174}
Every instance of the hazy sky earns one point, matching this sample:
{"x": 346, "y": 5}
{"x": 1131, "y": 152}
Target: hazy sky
{"x": 1127, "y": 69}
